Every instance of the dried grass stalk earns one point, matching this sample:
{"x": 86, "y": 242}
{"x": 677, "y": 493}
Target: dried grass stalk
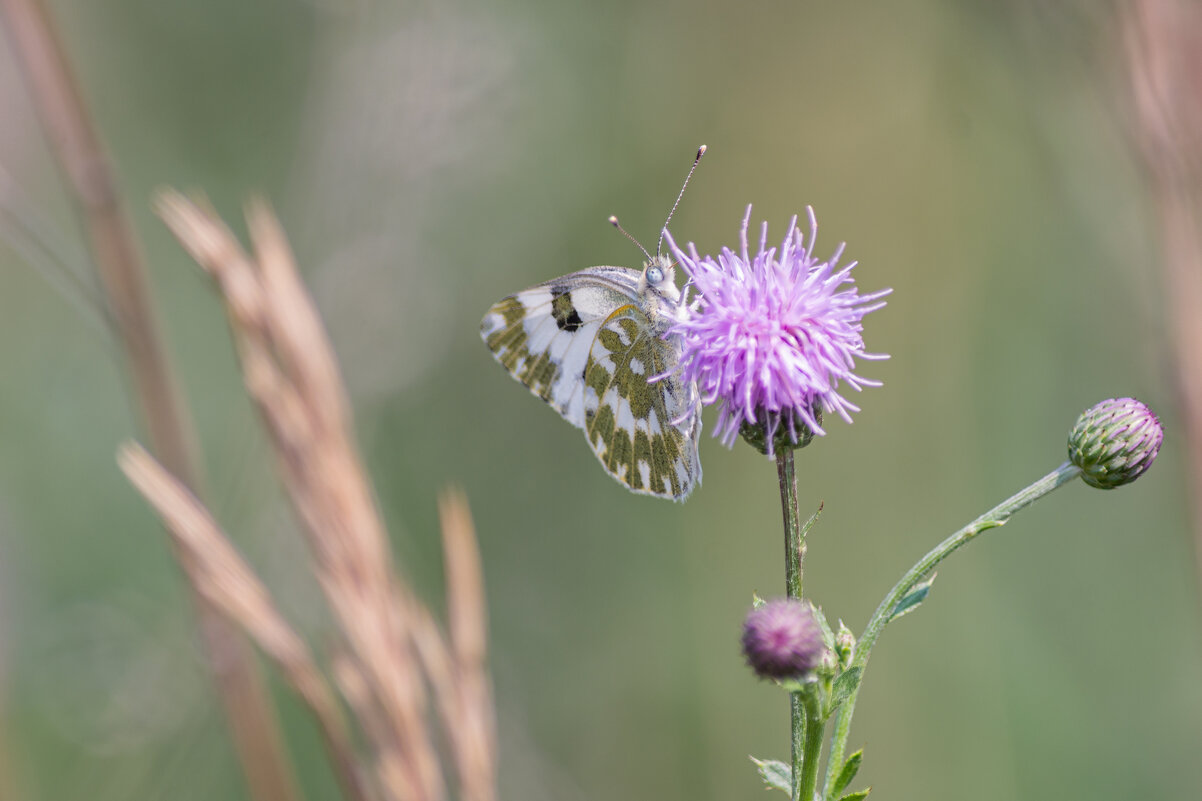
{"x": 459, "y": 671}
{"x": 393, "y": 651}
{"x": 228, "y": 583}
{"x": 1163, "y": 41}
{"x": 128, "y": 300}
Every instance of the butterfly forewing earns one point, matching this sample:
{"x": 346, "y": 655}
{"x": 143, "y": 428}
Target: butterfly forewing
{"x": 587, "y": 345}
{"x": 542, "y": 335}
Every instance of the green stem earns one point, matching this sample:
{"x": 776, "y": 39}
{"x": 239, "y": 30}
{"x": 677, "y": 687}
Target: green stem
{"x": 794, "y": 559}
{"x": 795, "y": 544}
{"x": 797, "y": 714}
{"x": 813, "y": 750}
{"x": 995, "y": 517}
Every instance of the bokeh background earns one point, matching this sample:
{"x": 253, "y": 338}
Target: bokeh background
{"x": 427, "y": 159}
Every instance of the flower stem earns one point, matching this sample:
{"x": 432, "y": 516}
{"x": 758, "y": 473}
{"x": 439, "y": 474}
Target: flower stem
{"x": 995, "y": 517}
{"x": 795, "y": 545}
{"x": 800, "y": 743}
{"x": 815, "y": 723}
{"x": 795, "y": 549}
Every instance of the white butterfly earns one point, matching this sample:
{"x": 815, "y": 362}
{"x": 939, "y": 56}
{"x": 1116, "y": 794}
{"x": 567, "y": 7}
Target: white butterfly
{"x": 588, "y": 344}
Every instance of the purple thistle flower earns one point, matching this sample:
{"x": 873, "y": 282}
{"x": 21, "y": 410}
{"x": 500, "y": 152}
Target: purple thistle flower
{"x": 781, "y": 639}
{"x": 772, "y": 337}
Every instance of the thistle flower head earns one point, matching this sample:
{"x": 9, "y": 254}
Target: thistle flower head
{"x": 774, "y": 336}
{"x": 1114, "y": 442}
{"x": 781, "y": 639}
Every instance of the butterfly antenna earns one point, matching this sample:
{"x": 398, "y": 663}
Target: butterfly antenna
{"x": 700, "y": 152}
{"x": 614, "y": 222}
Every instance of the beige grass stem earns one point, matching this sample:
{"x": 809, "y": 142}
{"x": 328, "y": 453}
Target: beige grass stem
{"x": 1164, "y": 55}
{"x": 228, "y": 583}
{"x": 115, "y": 252}
{"x": 395, "y": 667}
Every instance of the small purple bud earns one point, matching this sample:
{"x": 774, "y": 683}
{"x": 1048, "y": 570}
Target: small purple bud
{"x": 781, "y": 639}
{"x": 1114, "y": 442}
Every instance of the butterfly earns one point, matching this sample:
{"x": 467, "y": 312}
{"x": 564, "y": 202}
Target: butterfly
{"x": 594, "y": 345}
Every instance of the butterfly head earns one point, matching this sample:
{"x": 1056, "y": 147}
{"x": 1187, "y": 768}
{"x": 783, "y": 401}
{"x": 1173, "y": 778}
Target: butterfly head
{"x": 659, "y": 277}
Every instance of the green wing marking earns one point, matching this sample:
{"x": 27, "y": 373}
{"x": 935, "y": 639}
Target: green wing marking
{"x": 628, "y": 420}
{"x": 510, "y": 343}
{"x": 592, "y": 365}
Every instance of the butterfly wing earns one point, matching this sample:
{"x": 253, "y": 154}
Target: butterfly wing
{"x": 642, "y": 431}
{"x": 543, "y": 335}
{"x": 578, "y": 343}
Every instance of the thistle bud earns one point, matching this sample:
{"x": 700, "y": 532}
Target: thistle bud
{"x": 781, "y": 639}
{"x": 845, "y": 644}
{"x": 1114, "y": 442}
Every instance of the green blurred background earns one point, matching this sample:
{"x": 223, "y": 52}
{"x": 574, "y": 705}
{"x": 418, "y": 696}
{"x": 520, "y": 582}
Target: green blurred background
{"x": 427, "y": 159}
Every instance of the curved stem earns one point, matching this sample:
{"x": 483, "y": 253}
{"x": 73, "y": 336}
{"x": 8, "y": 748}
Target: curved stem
{"x": 995, "y": 517}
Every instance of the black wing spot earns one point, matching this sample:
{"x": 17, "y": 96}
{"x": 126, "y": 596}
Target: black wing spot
{"x": 563, "y": 311}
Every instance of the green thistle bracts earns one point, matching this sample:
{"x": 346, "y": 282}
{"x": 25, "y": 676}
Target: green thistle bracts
{"x": 1114, "y": 442}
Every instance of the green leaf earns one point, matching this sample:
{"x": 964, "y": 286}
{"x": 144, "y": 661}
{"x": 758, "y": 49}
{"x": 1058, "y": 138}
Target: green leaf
{"x": 858, "y": 795}
{"x": 847, "y": 773}
{"x": 828, "y": 637}
{"x": 845, "y": 684}
{"x": 777, "y": 775}
{"x": 757, "y": 601}
{"x": 910, "y": 601}
{"x": 813, "y": 519}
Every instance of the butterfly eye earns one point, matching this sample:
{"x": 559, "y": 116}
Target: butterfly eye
{"x": 654, "y": 275}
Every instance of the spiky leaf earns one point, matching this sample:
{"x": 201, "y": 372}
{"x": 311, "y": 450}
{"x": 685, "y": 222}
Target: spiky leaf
{"x": 809, "y": 524}
{"x": 776, "y": 775}
{"x": 858, "y": 795}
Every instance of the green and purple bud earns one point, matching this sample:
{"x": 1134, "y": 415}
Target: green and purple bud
{"x": 1114, "y": 442}
{"x": 781, "y": 639}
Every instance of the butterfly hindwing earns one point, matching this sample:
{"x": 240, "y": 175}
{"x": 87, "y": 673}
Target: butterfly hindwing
{"x": 629, "y": 420}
